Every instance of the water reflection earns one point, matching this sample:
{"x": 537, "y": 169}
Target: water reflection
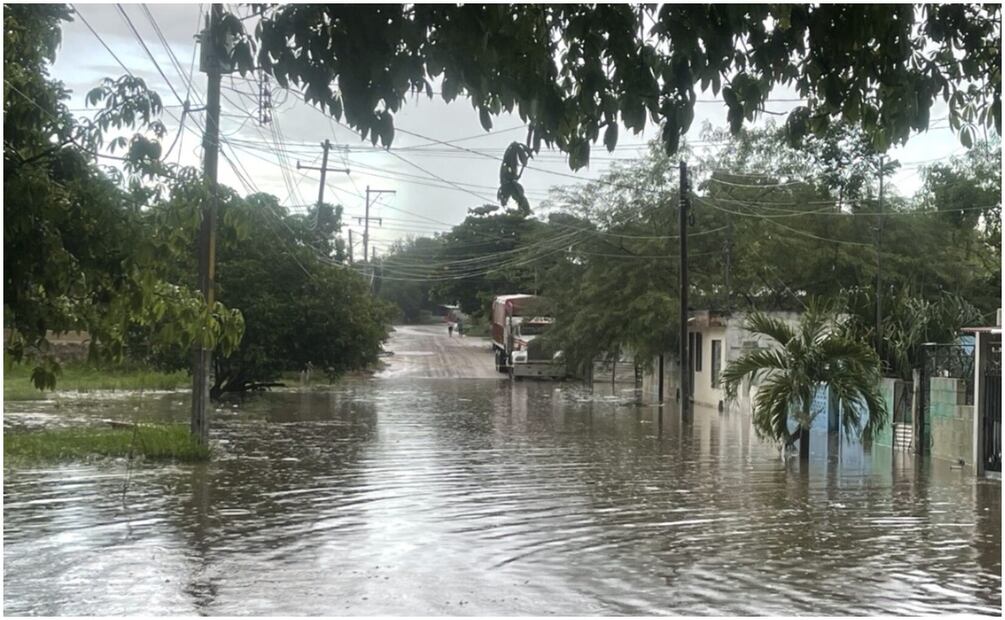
{"x": 485, "y": 497}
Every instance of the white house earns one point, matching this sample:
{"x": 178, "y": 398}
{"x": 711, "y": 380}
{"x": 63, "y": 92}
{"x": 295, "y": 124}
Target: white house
{"x": 714, "y": 339}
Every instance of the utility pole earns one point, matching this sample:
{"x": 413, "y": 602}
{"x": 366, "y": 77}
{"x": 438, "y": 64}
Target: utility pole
{"x": 879, "y": 265}
{"x": 659, "y": 389}
{"x": 350, "y": 246}
{"x": 729, "y": 261}
{"x": 366, "y": 218}
{"x": 202, "y": 358}
{"x": 326, "y": 145}
{"x": 685, "y": 367}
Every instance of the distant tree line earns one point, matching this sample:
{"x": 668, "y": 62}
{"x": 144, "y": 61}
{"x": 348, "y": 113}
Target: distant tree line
{"x": 775, "y": 226}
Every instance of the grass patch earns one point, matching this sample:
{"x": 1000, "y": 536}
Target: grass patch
{"x": 17, "y": 383}
{"x": 170, "y": 442}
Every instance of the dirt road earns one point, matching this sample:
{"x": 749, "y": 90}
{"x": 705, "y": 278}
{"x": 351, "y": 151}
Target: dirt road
{"x": 426, "y": 351}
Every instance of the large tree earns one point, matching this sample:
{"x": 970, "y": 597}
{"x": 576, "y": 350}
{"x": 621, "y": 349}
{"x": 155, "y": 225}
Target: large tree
{"x": 405, "y": 276}
{"x": 300, "y": 306}
{"x": 575, "y": 72}
{"x": 758, "y": 203}
{"x": 77, "y": 251}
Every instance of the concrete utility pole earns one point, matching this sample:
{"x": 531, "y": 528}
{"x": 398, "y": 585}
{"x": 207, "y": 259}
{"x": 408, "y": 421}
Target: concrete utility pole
{"x": 202, "y": 358}
{"x": 729, "y": 261}
{"x": 366, "y": 218}
{"x": 685, "y": 367}
{"x": 326, "y": 145}
{"x": 879, "y": 265}
{"x": 350, "y": 246}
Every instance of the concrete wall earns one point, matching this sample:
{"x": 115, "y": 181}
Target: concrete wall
{"x": 951, "y": 422}
{"x": 650, "y": 379}
{"x": 885, "y": 436}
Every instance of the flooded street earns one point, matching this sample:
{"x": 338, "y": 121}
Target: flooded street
{"x": 420, "y": 491}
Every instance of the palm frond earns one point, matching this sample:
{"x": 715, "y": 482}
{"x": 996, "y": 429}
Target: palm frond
{"x": 838, "y": 350}
{"x": 813, "y": 326}
{"x": 772, "y": 327}
{"x": 772, "y": 407}
{"x": 750, "y": 365}
{"x": 857, "y": 392}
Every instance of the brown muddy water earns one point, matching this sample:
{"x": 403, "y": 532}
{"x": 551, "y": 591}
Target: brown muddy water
{"x": 477, "y": 497}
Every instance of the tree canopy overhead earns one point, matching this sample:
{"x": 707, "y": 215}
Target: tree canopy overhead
{"x": 573, "y": 72}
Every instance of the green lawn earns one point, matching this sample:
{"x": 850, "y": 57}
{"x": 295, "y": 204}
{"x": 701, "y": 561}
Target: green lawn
{"x": 171, "y": 442}
{"x": 17, "y": 383}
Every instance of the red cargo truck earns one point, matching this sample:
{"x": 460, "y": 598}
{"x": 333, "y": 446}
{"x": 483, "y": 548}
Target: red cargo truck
{"x": 515, "y": 324}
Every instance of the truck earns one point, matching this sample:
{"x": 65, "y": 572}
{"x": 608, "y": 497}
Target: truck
{"x": 516, "y": 322}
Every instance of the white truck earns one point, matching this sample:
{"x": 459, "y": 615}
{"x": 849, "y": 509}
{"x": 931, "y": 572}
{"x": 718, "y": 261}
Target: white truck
{"x": 515, "y": 324}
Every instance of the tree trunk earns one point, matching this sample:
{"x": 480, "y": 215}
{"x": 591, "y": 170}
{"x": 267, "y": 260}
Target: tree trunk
{"x": 804, "y": 433}
{"x": 804, "y": 444}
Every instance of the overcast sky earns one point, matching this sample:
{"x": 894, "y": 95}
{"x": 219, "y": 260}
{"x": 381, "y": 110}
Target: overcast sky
{"x": 435, "y": 185}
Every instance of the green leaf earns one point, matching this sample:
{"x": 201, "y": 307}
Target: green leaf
{"x": 611, "y": 136}
{"x": 579, "y": 153}
{"x": 966, "y": 137}
{"x": 386, "y": 129}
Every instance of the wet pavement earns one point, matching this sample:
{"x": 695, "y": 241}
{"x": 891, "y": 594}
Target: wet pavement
{"x": 401, "y": 494}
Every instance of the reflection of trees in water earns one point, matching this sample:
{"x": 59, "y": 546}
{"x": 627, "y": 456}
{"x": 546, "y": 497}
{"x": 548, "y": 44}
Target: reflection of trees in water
{"x": 288, "y": 466}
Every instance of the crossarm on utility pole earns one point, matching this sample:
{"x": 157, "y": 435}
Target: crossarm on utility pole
{"x": 366, "y": 219}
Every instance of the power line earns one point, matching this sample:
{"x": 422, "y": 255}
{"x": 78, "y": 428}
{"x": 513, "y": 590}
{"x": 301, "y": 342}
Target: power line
{"x": 100, "y": 40}
{"x": 129, "y": 22}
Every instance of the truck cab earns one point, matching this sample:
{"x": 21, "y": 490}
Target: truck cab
{"x": 515, "y": 325}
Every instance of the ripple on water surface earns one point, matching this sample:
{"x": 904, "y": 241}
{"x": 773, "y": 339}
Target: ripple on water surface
{"x": 482, "y": 497}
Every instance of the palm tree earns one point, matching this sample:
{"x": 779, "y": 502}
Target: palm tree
{"x": 817, "y": 352}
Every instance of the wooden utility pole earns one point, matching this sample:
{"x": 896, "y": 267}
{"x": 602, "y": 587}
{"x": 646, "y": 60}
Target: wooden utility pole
{"x": 202, "y": 359}
{"x": 660, "y": 389}
{"x": 729, "y": 261}
{"x": 326, "y": 145}
{"x": 366, "y": 218}
{"x": 685, "y": 367}
{"x": 879, "y": 265}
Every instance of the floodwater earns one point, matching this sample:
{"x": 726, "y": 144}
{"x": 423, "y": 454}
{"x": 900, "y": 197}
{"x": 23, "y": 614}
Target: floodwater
{"x": 481, "y": 497}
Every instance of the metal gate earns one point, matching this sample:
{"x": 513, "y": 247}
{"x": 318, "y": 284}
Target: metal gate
{"x": 992, "y": 409}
